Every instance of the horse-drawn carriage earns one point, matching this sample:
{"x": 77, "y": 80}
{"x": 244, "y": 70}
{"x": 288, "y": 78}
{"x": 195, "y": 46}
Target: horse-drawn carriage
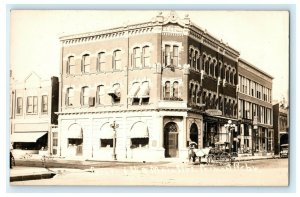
{"x": 218, "y": 154}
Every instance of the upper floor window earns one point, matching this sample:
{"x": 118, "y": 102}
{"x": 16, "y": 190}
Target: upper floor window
{"x": 69, "y": 96}
{"x": 175, "y": 89}
{"x": 137, "y": 58}
{"x": 44, "y": 104}
{"x": 117, "y": 60}
{"x": 71, "y": 65}
{"x": 19, "y": 105}
{"x": 146, "y": 56}
{"x": 175, "y": 55}
{"x": 100, "y": 93}
{"x": 212, "y": 67}
{"x": 167, "y": 89}
{"x": 101, "y": 62}
{"x": 85, "y": 93}
{"x": 32, "y": 105}
{"x": 167, "y": 56}
{"x": 115, "y": 93}
{"x": 86, "y": 63}
{"x": 206, "y": 65}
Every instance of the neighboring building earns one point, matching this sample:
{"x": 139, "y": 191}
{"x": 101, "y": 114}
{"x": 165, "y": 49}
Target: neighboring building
{"x": 255, "y": 109}
{"x": 33, "y": 103}
{"x": 165, "y": 83}
{"x": 281, "y": 128}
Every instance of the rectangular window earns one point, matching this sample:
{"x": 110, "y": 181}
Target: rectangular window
{"x": 240, "y": 83}
{"x": 100, "y": 93}
{"x": 71, "y": 65}
{"x": 101, "y": 62}
{"x": 32, "y": 102}
{"x": 175, "y": 55}
{"x": 137, "y": 57}
{"x": 167, "y": 89}
{"x": 85, "y": 96}
{"x": 19, "y": 105}
{"x": 146, "y": 56}
{"x": 117, "y": 60}
{"x": 44, "y": 104}
{"x": 69, "y": 97}
{"x": 167, "y": 55}
{"x": 106, "y": 143}
{"x": 86, "y": 64}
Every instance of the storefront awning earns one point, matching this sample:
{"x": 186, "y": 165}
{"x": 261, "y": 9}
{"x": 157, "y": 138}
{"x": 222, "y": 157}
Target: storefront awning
{"x": 115, "y": 91}
{"x": 106, "y": 132}
{"x": 144, "y": 92}
{"x": 75, "y": 132}
{"x": 134, "y": 90}
{"x": 27, "y": 136}
{"x": 139, "y": 130}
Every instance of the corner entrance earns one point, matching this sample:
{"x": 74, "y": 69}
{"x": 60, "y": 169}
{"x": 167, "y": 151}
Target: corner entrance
{"x": 171, "y": 139}
{"x": 194, "y": 134}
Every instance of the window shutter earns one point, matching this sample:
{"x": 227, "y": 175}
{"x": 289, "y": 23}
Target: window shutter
{"x": 132, "y": 61}
{"x": 163, "y": 57}
{"x": 82, "y": 64}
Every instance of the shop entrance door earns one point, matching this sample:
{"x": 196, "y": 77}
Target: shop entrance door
{"x": 171, "y": 140}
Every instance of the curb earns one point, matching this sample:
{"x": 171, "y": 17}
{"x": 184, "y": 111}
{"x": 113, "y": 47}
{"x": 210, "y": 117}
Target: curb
{"x": 32, "y": 177}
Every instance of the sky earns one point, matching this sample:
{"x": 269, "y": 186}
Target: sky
{"x": 261, "y": 37}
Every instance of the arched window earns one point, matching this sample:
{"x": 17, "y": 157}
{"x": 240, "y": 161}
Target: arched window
{"x": 71, "y": 65}
{"x": 203, "y": 61}
{"x": 223, "y": 73}
{"x": 137, "y": 58}
{"x": 191, "y": 92}
{"x": 211, "y": 67}
{"x": 117, "y": 60}
{"x": 139, "y": 135}
{"x": 85, "y": 93}
{"x": 191, "y": 58}
{"x": 86, "y": 62}
{"x": 195, "y": 93}
{"x": 216, "y": 69}
{"x": 175, "y": 89}
{"x": 234, "y": 76}
{"x": 204, "y": 99}
{"x": 146, "y": 56}
{"x": 99, "y": 94}
{"x": 69, "y": 97}
{"x": 207, "y": 65}
{"x": 220, "y": 70}
{"x": 167, "y": 89}
{"x": 101, "y": 62}
{"x": 195, "y": 59}
{"x": 231, "y": 77}
{"x": 227, "y": 73}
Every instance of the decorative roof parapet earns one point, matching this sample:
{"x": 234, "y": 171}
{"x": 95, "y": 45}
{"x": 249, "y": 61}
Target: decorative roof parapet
{"x": 145, "y": 27}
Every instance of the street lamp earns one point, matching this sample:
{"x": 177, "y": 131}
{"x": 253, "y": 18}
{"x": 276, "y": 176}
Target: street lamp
{"x": 114, "y": 126}
{"x": 230, "y": 127}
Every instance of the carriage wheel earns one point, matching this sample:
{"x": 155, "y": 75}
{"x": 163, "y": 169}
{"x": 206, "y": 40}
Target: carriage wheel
{"x": 225, "y": 157}
{"x": 210, "y": 158}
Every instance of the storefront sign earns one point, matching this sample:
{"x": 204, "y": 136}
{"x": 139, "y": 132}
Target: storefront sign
{"x": 213, "y": 112}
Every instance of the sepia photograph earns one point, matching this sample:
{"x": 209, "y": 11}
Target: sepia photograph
{"x": 149, "y": 98}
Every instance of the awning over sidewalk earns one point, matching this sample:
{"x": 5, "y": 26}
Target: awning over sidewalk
{"x": 27, "y": 136}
